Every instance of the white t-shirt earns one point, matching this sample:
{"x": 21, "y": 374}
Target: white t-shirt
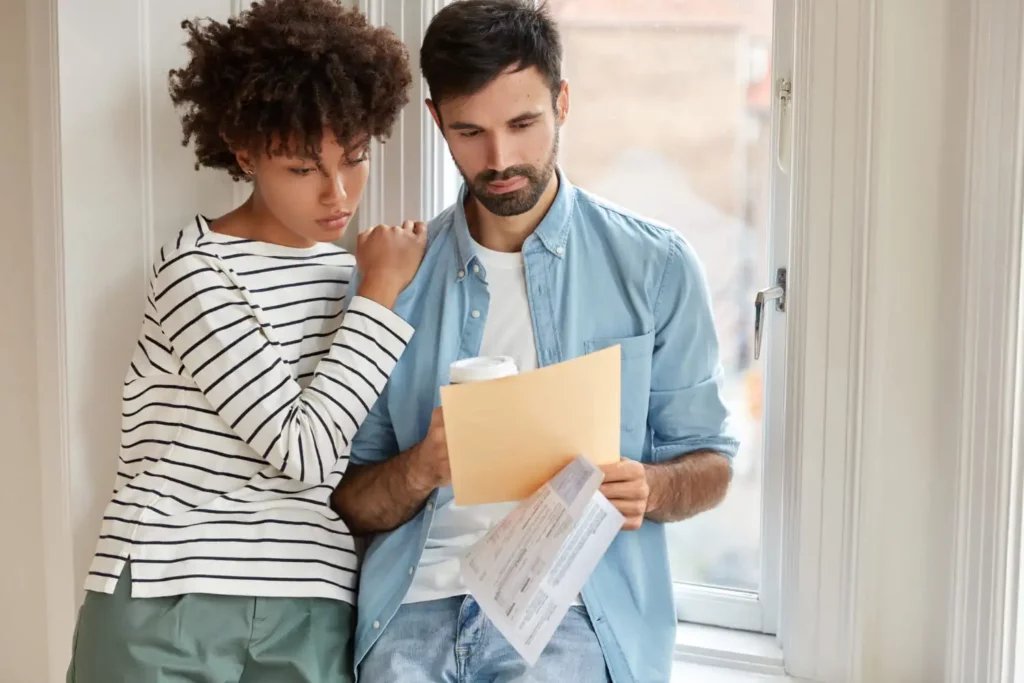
{"x": 508, "y": 331}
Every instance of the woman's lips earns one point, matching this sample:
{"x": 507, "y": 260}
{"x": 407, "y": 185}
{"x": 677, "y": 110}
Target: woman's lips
{"x": 335, "y": 222}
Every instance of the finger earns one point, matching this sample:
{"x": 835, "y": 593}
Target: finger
{"x": 632, "y": 523}
{"x": 630, "y": 508}
{"x": 624, "y": 470}
{"x": 625, "y": 490}
{"x": 407, "y": 225}
{"x": 419, "y": 228}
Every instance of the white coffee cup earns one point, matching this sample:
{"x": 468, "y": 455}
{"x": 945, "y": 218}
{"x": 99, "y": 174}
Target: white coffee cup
{"x": 481, "y": 368}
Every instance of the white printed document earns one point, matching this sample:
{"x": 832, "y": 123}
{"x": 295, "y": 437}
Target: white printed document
{"x": 527, "y": 571}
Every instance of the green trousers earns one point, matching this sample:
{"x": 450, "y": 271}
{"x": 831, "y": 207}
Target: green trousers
{"x": 200, "y": 638}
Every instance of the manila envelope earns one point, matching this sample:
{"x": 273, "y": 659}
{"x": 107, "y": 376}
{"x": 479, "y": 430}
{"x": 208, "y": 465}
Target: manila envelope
{"x": 507, "y": 437}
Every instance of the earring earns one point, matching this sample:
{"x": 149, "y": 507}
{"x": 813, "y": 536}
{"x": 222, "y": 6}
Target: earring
{"x": 249, "y": 172}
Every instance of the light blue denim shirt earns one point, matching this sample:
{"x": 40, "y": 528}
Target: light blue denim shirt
{"x": 596, "y": 276}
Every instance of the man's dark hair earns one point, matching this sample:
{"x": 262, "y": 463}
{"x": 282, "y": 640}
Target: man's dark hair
{"x": 288, "y": 70}
{"x": 469, "y": 43}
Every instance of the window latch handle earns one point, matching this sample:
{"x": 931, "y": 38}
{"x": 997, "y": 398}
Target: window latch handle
{"x": 776, "y": 293}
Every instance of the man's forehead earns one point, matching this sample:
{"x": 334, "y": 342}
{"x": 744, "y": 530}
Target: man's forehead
{"x": 508, "y": 96}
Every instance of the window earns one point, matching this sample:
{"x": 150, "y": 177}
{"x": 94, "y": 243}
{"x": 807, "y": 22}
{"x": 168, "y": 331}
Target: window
{"x": 680, "y": 94}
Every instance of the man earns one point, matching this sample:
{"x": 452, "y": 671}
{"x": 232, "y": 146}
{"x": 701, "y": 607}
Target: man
{"x": 526, "y": 265}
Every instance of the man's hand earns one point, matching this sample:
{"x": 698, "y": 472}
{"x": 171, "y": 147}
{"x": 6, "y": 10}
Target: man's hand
{"x": 377, "y": 498}
{"x": 428, "y": 461}
{"x": 625, "y": 486}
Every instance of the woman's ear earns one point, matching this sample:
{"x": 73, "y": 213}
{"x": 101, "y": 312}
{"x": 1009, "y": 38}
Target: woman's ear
{"x": 243, "y": 156}
{"x": 244, "y": 159}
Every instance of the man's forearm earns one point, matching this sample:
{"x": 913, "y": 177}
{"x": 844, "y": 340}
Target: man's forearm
{"x": 381, "y": 497}
{"x": 687, "y": 485}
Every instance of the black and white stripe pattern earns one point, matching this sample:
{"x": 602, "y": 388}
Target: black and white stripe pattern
{"x": 245, "y": 389}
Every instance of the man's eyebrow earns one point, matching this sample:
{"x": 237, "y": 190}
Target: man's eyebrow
{"x": 521, "y": 118}
{"x": 462, "y": 125}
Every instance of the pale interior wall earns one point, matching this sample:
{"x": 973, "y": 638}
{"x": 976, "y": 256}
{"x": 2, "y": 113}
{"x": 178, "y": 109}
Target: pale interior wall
{"x": 22, "y": 624}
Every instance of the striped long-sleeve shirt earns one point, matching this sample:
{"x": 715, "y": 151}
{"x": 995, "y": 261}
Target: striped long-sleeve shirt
{"x": 246, "y": 387}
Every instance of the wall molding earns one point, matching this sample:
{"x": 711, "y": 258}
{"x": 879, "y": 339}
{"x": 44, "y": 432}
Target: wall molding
{"x": 51, "y": 337}
{"x": 985, "y": 596}
{"x": 407, "y": 172}
{"x": 826, "y": 342}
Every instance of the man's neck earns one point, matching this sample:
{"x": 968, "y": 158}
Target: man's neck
{"x": 508, "y": 233}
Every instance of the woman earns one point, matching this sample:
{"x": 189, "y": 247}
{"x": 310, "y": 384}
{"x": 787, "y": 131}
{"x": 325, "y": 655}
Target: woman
{"x": 219, "y": 558}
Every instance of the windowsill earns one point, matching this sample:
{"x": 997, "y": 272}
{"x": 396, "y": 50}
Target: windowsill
{"x": 719, "y": 655}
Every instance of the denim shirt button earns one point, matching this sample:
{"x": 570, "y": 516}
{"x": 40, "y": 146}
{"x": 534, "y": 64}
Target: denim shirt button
{"x": 462, "y": 273}
{"x": 376, "y": 624}
{"x": 475, "y": 314}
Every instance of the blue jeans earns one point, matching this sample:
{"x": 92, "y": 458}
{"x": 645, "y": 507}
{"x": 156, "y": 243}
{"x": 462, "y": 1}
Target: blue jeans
{"x": 452, "y": 641}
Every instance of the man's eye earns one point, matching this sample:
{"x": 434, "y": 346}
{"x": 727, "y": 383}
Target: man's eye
{"x": 469, "y": 133}
{"x": 358, "y": 160}
{"x": 525, "y": 124}
{"x": 302, "y": 171}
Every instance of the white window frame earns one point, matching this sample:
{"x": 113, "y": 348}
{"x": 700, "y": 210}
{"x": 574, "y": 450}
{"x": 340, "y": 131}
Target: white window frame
{"x": 758, "y": 611}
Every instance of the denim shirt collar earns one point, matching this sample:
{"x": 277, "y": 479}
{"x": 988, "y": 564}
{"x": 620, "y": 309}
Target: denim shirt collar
{"x": 552, "y": 232}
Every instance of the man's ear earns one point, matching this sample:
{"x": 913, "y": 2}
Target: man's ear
{"x": 562, "y": 102}
{"x": 434, "y": 115}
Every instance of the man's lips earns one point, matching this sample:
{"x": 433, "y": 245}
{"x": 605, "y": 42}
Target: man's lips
{"x": 510, "y": 185}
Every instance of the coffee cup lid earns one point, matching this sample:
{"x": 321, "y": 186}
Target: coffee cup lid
{"x": 481, "y": 368}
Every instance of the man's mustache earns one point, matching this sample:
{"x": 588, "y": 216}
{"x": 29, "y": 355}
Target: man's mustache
{"x": 491, "y": 176}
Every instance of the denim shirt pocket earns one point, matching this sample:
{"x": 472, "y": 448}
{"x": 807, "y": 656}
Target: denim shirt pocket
{"x": 637, "y": 354}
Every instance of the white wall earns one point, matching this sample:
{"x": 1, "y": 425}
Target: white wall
{"x": 22, "y": 627}
{"x": 127, "y": 186}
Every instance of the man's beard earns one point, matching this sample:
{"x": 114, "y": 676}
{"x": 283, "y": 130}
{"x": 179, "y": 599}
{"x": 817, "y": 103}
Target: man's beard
{"x": 518, "y": 201}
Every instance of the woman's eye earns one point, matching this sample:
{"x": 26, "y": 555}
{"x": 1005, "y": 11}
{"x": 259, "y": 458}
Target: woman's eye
{"x": 358, "y": 160}
{"x": 302, "y": 171}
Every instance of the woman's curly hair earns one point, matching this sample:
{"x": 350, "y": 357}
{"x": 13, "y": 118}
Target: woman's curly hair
{"x": 284, "y": 72}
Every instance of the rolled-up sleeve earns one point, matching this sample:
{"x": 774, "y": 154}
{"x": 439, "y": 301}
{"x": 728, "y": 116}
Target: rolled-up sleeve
{"x": 375, "y": 441}
{"x": 686, "y": 411}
